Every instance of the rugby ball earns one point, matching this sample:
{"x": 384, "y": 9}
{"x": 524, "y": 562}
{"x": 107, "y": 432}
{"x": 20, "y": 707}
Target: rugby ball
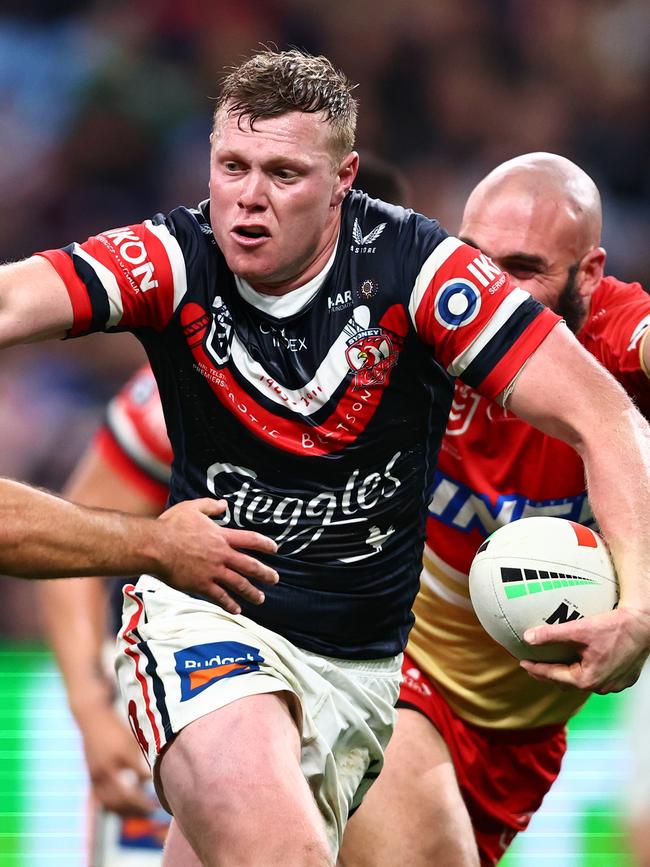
{"x": 540, "y": 570}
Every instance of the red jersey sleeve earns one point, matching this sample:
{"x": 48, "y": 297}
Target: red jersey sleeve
{"x": 134, "y": 438}
{"x": 125, "y": 278}
{"x": 483, "y": 327}
{"x": 618, "y": 325}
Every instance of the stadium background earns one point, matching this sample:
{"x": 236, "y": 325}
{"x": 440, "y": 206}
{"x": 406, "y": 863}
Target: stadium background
{"x": 104, "y": 118}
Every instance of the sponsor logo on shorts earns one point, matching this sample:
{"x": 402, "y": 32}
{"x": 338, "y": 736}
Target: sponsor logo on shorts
{"x": 202, "y": 665}
{"x": 523, "y": 582}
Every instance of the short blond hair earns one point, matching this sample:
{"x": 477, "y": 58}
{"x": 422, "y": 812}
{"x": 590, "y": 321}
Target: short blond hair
{"x": 273, "y": 83}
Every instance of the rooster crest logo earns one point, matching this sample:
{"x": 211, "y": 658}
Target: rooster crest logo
{"x": 362, "y": 240}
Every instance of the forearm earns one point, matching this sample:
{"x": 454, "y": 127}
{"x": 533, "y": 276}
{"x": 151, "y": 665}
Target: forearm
{"x": 44, "y": 536}
{"x": 617, "y": 465}
{"x": 74, "y": 615}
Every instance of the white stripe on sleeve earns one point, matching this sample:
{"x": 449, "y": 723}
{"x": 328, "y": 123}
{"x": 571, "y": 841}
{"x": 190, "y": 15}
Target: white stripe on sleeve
{"x": 176, "y": 260}
{"x": 428, "y": 271}
{"x": 499, "y": 318}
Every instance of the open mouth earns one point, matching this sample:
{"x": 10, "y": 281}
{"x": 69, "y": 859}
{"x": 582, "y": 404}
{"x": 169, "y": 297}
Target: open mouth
{"x": 251, "y": 232}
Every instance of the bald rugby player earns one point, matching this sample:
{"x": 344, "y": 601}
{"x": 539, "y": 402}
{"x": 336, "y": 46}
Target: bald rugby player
{"x": 478, "y": 742}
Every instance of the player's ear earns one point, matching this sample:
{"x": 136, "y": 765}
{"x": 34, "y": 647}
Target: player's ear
{"x": 591, "y": 271}
{"x": 345, "y": 175}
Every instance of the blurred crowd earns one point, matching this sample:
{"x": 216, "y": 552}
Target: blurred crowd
{"x": 105, "y": 113}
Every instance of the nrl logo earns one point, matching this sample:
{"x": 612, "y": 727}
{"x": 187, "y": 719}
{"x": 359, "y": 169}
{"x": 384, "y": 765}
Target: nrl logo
{"x": 220, "y": 337}
{"x": 363, "y": 243}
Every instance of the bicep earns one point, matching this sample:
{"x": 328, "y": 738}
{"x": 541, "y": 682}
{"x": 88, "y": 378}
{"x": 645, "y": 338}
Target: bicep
{"x": 34, "y": 302}
{"x": 563, "y": 390}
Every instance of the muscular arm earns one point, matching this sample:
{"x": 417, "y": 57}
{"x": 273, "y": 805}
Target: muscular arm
{"x": 45, "y": 536}
{"x": 566, "y": 393}
{"x": 34, "y": 303}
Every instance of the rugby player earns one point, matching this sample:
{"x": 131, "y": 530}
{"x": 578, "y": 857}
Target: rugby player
{"x": 305, "y": 343}
{"x": 478, "y": 743}
{"x": 127, "y": 466}
{"x": 45, "y": 536}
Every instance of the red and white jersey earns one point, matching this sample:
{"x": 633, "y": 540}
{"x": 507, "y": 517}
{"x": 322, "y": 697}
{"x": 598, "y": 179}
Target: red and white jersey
{"x": 134, "y": 441}
{"x": 493, "y": 469}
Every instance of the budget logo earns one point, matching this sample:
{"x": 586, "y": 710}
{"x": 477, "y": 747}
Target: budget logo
{"x": 201, "y": 665}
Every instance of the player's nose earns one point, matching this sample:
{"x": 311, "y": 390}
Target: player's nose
{"x": 253, "y": 191}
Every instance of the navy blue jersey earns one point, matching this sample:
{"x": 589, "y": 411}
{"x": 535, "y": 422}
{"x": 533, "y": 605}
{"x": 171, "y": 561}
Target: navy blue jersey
{"x": 319, "y": 425}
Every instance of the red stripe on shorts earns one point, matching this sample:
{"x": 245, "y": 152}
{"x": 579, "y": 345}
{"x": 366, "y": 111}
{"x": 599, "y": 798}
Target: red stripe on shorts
{"x": 132, "y": 654}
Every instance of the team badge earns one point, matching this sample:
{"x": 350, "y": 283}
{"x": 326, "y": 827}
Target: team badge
{"x": 203, "y": 664}
{"x": 367, "y": 290}
{"x": 457, "y": 303}
{"x": 371, "y": 355}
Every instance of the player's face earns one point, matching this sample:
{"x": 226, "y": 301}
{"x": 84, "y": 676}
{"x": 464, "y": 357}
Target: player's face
{"x": 537, "y": 245}
{"x": 274, "y": 197}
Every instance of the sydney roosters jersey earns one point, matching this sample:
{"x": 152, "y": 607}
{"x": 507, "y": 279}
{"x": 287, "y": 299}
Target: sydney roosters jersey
{"x": 493, "y": 469}
{"x": 317, "y": 416}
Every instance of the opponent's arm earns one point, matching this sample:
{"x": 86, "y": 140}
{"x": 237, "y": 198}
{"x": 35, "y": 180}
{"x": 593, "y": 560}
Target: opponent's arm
{"x": 75, "y": 615}
{"x": 44, "y": 536}
{"x": 34, "y": 302}
{"x": 565, "y": 392}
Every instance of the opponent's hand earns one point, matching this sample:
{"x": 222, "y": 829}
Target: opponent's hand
{"x": 200, "y": 556}
{"x": 611, "y": 650}
{"x": 115, "y": 763}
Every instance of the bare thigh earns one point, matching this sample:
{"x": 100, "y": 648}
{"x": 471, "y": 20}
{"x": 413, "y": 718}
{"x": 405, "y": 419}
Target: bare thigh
{"x": 414, "y": 814}
{"x": 233, "y": 781}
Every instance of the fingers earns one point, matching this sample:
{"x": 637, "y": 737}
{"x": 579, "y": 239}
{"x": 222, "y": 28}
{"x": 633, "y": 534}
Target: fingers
{"x": 249, "y": 567}
{"x": 236, "y": 583}
{"x": 121, "y": 792}
{"x": 556, "y": 673}
{"x": 560, "y": 632}
{"x": 249, "y": 540}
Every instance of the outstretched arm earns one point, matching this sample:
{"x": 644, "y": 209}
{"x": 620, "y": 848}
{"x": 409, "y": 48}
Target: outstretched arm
{"x": 44, "y": 536}
{"x": 567, "y": 394}
{"x": 34, "y": 302}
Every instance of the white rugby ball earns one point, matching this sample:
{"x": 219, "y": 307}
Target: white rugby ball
{"x": 540, "y": 570}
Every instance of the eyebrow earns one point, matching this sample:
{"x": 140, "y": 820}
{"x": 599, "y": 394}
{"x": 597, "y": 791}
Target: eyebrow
{"x": 518, "y": 256}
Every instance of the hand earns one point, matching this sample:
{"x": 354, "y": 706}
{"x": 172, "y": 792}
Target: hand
{"x": 611, "y": 650}
{"x": 115, "y": 763}
{"x": 202, "y": 557}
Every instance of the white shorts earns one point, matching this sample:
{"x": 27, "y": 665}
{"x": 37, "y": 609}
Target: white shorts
{"x": 180, "y": 658}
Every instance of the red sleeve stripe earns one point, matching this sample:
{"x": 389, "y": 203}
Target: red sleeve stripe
{"x": 108, "y": 283}
{"x": 428, "y": 271}
{"x": 176, "y": 259}
{"x": 504, "y": 311}
{"x": 82, "y": 312}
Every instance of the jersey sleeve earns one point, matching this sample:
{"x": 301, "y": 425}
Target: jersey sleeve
{"x": 122, "y": 279}
{"x": 133, "y": 439}
{"x": 616, "y": 335}
{"x": 483, "y": 328}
